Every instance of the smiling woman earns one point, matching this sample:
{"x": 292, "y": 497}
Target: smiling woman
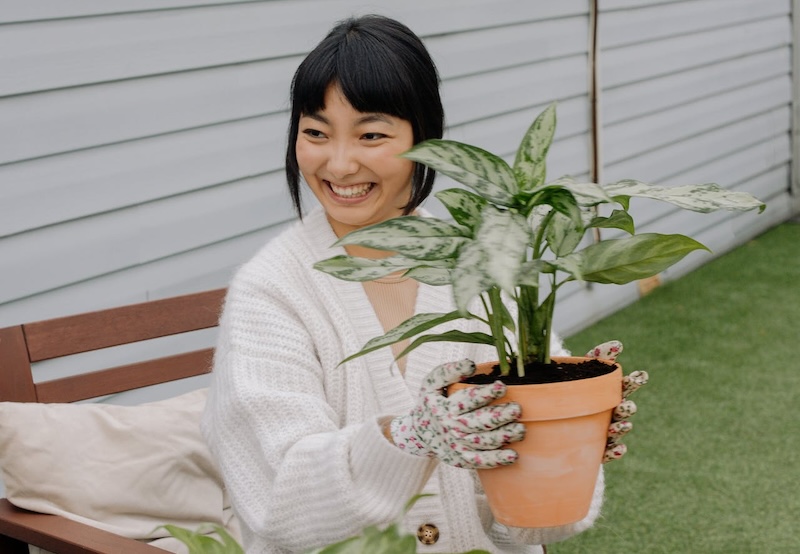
{"x": 312, "y": 450}
{"x": 351, "y": 162}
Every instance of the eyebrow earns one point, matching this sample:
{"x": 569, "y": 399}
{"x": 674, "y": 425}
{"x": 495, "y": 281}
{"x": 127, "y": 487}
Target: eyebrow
{"x": 366, "y": 118}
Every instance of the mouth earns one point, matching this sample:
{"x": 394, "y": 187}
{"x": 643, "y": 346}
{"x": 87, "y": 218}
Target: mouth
{"x": 350, "y": 191}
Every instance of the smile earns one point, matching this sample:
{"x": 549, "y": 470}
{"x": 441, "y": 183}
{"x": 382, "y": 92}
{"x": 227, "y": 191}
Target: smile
{"x": 352, "y": 191}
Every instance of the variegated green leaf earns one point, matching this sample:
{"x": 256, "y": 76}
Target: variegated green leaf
{"x": 463, "y": 205}
{"x": 559, "y": 199}
{"x": 530, "y": 165}
{"x": 449, "y": 336}
{"x": 409, "y": 328}
{"x": 419, "y": 238}
{"x": 352, "y": 268}
{"x": 625, "y": 260}
{"x": 563, "y": 235}
{"x": 470, "y": 276}
{"x": 703, "y": 198}
{"x": 487, "y": 174}
{"x": 619, "y": 219}
{"x": 434, "y": 276}
{"x": 530, "y": 270}
{"x": 586, "y": 194}
{"x": 568, "y": 265}
{"x": 504, "y": 237}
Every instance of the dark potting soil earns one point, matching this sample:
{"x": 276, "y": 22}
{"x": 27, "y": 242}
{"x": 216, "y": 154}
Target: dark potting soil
{"x": 537, "y": 373}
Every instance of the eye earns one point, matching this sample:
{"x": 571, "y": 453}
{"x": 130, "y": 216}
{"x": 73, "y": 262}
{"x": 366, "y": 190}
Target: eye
{"x": 373, "y": 136}
{"x": 314, "y": 133}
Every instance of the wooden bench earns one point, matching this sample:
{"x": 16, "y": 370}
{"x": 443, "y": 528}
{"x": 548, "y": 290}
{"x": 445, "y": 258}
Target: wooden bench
{"x": 22, "y": 345}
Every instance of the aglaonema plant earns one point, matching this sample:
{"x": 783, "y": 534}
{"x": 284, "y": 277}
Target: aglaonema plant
{"x": 515, "y": 240}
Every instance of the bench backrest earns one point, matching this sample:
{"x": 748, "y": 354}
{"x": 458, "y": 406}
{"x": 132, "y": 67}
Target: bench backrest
{"x": 22, "y": 345}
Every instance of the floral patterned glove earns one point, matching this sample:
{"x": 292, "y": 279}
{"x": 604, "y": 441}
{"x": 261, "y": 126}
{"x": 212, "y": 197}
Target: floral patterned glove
{"x": 619, "y": 419}
{"x": 461, "y": 430}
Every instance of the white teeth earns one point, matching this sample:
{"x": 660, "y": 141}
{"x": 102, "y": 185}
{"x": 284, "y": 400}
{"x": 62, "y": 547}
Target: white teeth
{"x": 351, "y": 191}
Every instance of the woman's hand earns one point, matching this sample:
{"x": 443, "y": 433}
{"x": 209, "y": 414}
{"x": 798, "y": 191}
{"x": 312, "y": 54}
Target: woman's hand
{"x": 619, "y": 419}
{"x": 461, "y": 430}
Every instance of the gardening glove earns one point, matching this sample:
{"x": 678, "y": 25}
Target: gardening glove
{"x": 619, "y": 418}
{"x": 461, "y": 430}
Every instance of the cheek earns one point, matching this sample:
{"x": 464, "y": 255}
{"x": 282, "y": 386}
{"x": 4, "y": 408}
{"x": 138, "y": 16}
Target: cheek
{"x": 305, "y": 157}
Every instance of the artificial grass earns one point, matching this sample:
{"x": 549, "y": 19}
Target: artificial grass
{"x": 712, "y": 465}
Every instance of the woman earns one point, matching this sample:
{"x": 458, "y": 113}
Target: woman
{"x": 312, "y": 452}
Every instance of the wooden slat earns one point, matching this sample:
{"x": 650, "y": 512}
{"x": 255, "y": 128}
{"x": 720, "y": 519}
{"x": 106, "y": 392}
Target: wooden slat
{"x": 16, "y": 382}
{"x": 101, "y": 329}
{"x": 63, "y": 536}
{"x": 127, "y": 377}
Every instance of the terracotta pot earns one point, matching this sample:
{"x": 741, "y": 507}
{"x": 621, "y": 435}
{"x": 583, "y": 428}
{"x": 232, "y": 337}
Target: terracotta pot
{"x": 559, "y": 460}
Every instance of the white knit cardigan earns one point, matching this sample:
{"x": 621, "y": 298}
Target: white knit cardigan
{"x": 296, "y": 434}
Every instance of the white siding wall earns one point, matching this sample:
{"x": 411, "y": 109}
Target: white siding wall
{"x": 693, "y": 91}
{"x": 141, "y": 141}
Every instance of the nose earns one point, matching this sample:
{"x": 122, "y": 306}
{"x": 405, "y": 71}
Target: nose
{"x": 342, "y": 161}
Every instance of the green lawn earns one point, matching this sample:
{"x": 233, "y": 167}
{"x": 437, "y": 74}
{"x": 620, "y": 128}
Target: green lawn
{"x": 714, "y": 458}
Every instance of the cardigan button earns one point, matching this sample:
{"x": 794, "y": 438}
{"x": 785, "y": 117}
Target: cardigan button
{"x": 428, "y": 533}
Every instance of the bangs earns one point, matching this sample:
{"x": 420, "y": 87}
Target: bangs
{"x": 373, "y": 79}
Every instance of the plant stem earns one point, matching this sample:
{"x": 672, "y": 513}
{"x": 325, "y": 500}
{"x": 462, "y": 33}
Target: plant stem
{"x": 496, "y": 326}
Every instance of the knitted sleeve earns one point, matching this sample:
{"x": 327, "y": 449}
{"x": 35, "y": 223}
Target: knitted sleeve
{"x": 296, "y": 478}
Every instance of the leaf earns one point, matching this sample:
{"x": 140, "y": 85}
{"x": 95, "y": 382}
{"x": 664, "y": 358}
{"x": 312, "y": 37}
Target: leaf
{"x": 450, "y": 336}
{"x": 619, "y": 219}
{"x": 198, "y": 543}
{"x": 529, "y": 165}
{"x": 409, "y": 328}
{"x": 434, "y": 276}
{"x": 354, "y": 268}
{"x": 703, "y": 198}
{"x": 487, "y": 174}
{"x": 470, "y": 277}
{"x": 504, "y": 237}
{"x": 625, "y": 260}
{"x": 419, "y": 238}
{"x": 530, "y": 270}
{"x": 586, "y": 194}
{"x": 563, "y": 236}
{"x": 463, "y": 205}
{"x": 559, "y": 199}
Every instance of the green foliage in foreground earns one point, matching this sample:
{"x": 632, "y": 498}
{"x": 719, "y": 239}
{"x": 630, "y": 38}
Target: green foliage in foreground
{"x": 512, "y": 232}
{"x": 713, "y": 458}
{"x": 199, "y": 542}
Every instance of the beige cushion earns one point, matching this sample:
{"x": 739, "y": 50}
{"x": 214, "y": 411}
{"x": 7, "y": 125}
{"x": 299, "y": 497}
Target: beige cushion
{"x": 125, "y": 469}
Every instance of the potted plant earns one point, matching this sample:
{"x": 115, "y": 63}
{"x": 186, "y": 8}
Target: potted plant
{"x": 513, "y": 242}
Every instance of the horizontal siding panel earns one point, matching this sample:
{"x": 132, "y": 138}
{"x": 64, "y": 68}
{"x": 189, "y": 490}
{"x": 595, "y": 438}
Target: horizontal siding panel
{"x": 503, "y": 133}
{"x": 510, "y": 90}
{"x": 646, "y": 61}
{"x": 15, "y": 11}
{"x": 85, "y": 248}
{"x": 636, "y": 136}
{"x": 674, "y": 89}
{"x": 43, "y": 192}
{"x": 665, "y": 20}
{"x": 73, "y": 119}
{"x": 662, "y": 165}
{"x": 490, "y": 49}
{"x": 180, "y": 274}
{"x": 63, "y": 53}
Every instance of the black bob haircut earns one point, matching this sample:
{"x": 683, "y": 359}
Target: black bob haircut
{"x": 381, "y": 66}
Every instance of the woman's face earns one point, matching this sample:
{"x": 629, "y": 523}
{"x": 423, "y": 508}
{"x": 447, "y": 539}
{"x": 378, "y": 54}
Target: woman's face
{"x": 350, "y": 161}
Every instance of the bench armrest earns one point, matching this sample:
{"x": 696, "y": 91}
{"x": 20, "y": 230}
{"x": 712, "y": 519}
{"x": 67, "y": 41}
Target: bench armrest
{"x": 60, "y": 535}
